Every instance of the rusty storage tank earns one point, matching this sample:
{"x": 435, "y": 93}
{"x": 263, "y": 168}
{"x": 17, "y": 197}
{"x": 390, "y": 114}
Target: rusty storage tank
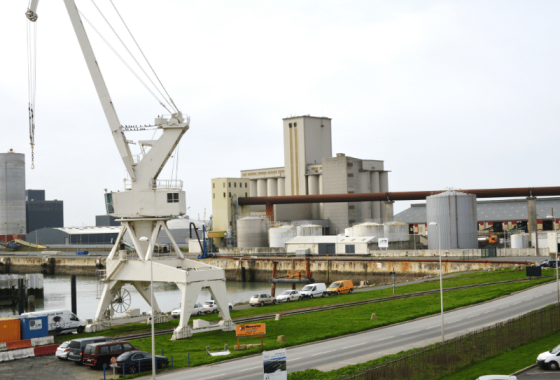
{"x": 456, "y": 218}
{"x": 396, "y": 231}
{"x": 9, "y": 329}
{"x": 309, "y": 230}
{"x": 279, "y": 235}
{"x": 251, "y": 232}
{"x": 12, "y": 195}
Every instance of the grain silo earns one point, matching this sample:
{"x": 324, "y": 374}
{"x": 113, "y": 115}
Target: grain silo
{"x": 455, "y": 215}
{"x": 310, "y": 230}
{"x": 279, "y": 235}
{"x": 12, "y": 195}
{"x": 251, "y": 232}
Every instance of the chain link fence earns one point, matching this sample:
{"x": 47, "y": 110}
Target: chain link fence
{"x": 457, "y": 353}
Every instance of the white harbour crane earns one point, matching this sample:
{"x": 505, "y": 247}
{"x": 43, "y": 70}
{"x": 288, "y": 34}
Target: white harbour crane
{"x": 143, "y": 208}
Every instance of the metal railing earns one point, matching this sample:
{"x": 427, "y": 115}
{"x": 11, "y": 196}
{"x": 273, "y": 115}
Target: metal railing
{"x": 166, "y": 184}
{"x": 461, "y": 352}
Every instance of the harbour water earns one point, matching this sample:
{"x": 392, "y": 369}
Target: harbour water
{"x": 168, "y": 296}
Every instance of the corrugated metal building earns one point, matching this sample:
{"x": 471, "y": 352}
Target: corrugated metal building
{"x": 499, "y": 214}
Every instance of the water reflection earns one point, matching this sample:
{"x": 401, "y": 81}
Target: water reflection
{"x": 168, "y": 296}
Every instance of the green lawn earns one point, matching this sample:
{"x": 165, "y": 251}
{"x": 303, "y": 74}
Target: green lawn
{"x": 461, "y": 280}
{"x": 306, "y": 328}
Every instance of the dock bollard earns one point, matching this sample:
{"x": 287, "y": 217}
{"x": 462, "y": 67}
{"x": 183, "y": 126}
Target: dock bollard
{"x": 171, "y": 361}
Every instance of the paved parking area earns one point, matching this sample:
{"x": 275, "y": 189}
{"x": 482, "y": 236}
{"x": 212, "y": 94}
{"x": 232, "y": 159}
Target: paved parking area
{"x": 47, "y": 367}
{"x": 539, "y": 374}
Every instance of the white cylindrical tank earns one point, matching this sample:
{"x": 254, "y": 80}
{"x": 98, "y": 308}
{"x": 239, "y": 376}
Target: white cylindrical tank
{"x": 281, "y": 186}
{"x": 278, "y": 236}
{"x": 261, "y": 187}
{"x": 12, "y": 195}
{"x": 253, "y": 188}
{"x": 251, "y": 232}
{"x": 396, "y": 231}
{"x": 309, "y": 230}
{"x": 271, "y": 187}
{"x": 456, "y": 218}
{"x": 520, "y": 241}
{"x": 368, "y": 229}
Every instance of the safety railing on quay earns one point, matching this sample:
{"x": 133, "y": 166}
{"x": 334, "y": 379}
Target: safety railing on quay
{"x": 460, "y": 352}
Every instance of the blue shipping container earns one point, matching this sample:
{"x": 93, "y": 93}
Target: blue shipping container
{"x": 35, "y": 327}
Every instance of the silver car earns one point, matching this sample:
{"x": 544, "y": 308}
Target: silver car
{"x": 262, "y": 299}
{"x": 289, "y": 295}
{"x": 63, "y": 350}
{"x": 197, "y": 310}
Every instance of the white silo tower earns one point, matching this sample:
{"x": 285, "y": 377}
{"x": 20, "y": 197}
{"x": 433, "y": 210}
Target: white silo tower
{"x": 12, "y": 195}
{"x": 456, "y": 218}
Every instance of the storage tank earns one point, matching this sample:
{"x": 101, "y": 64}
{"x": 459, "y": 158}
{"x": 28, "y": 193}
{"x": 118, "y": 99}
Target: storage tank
{"x": 12, "y": 195}
{"x": 520, "y": 241}
{"x": 396, "y": 231}
{"x": 456, "y": 218}
{"x": 278, "y": 236}
{"x": 368, "y": 229}
{"x": 251, "y": 232}
{"x": 309, "y": 230}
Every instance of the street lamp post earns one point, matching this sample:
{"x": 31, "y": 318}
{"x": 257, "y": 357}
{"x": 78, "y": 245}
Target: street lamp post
{"x": 440, "y": 280}
{"x": 144, "y": 239}
{"x": 556, "y": 258}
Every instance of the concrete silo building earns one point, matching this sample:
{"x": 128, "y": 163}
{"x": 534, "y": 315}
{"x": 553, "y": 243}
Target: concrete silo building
{"x": 12, "y": 196}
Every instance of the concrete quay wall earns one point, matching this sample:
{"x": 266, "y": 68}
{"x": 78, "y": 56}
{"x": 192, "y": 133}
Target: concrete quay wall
{"x": 372, "y": 271}
{"x": 51, "y": 265}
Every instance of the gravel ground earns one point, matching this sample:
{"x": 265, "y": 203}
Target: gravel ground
{"x": 48, "y": 367}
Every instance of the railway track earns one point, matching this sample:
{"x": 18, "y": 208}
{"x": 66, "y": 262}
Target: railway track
{"x": 261, "y": 317}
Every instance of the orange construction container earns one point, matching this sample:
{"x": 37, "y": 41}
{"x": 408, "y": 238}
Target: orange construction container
{"x": 10, "y": 329}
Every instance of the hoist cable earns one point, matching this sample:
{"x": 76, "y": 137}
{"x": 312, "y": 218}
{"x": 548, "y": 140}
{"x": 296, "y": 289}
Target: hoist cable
{"x": 130, "y": 53}
{"x": 123, "y": 61}
{"x": 148, "y": 62}
{"x": 31, "y": 81}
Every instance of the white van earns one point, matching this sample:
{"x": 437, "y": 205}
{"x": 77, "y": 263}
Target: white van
{"x": 314, "y": 290}
{"x": 549, "y": 359}
{"x": 61, "y": 321}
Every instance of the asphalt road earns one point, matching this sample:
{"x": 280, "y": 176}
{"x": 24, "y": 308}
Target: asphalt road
{"x": 538, "y": 374}
{"x": 357, "y": 348}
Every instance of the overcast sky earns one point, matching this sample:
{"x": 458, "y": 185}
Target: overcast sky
{"x": 460, "y": 94}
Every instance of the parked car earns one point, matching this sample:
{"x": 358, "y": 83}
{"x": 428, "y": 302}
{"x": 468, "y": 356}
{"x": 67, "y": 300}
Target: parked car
{"x": 63, "y": 350}
{"x": 77, "y": 347}
{"x": 197, "y": 310}
{"x": 262, "y": 299}
{"x": 289, "y": 295}
{"x": 60, "y": 321}
{"x": 497, "y": 377}
{"x": 549, "y": 359}
{"x": 341, "y": 287}
{"x": 97, "y": 354}
{"x": 212, "y": 307}
{"x": 139, "y": 361}
{"x": 314, "y": 290}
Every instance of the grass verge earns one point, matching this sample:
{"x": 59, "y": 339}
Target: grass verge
{"x": 317, "y": 326}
